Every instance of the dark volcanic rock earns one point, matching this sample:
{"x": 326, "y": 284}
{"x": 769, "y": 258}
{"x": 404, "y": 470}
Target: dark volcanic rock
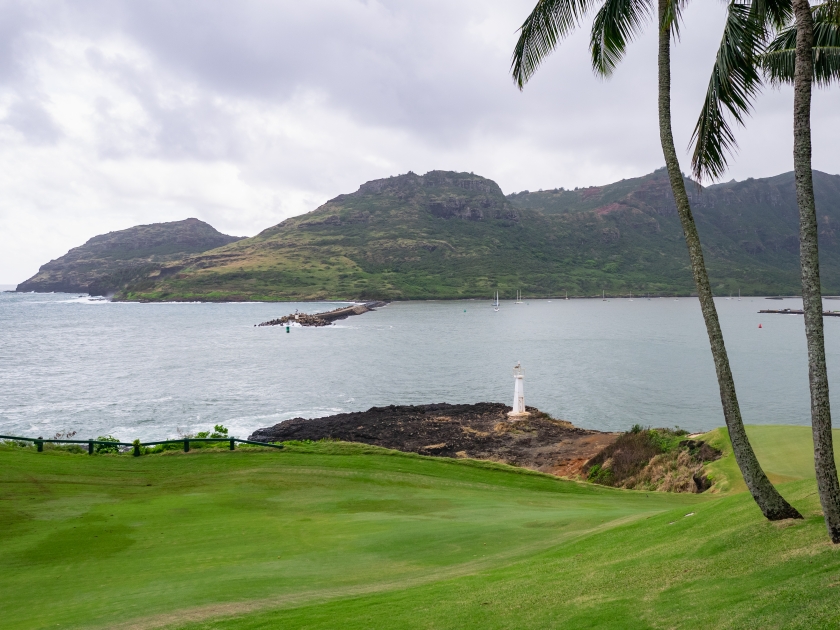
{"x": 480, "y": 431}
{"x": 323, "y": 319}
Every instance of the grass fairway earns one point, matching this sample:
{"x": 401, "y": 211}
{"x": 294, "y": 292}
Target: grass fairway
{"x": 786, "y": 453}
{"x": 335, "y": 535}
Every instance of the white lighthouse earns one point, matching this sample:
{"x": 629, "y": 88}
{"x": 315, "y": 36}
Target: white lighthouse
{"x": 518, "y": 393}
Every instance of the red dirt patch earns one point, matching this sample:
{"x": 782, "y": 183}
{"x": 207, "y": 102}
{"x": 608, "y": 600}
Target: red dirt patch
{"x": 613, "y": 207}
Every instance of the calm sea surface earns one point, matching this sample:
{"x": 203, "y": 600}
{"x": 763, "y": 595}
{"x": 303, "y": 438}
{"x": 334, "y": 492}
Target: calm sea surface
{"x": 150, "y": 370}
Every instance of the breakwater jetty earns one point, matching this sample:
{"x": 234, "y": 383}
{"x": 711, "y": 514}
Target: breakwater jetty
{"x": 796, "y": 311}
{"x": 323, "y": 319}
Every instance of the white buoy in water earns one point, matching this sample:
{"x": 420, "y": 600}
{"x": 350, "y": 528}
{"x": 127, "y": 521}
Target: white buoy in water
{"x": 518, "y": 393}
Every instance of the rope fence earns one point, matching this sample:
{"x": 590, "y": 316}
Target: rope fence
{"x": 39, "y": 443}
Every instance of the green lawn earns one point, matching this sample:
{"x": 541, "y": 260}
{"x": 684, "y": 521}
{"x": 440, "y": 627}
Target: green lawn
{"x": 334, "y": 535}
{"x": 786, "y": 453}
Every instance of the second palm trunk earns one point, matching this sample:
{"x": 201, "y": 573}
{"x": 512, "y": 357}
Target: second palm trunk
{"x": 772, "y": 504}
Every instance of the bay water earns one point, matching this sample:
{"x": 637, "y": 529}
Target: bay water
{"x": 149, "y": 371}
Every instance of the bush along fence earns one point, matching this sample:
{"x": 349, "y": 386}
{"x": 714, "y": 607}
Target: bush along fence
{"x": 137, "y": 444}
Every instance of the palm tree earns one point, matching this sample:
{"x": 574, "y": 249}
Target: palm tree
{"x": 801, "y": 53}
{"x": 779, "y": 59}
{"x": 615, "y": 24}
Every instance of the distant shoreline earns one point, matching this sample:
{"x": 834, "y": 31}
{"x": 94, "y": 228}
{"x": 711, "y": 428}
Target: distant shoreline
{"x": 249, "y": 300}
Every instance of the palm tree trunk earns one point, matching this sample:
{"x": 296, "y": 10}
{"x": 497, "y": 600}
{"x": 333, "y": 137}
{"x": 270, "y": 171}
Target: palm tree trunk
{"x": 772, "y": 504}
{"x": 809, "y": 260}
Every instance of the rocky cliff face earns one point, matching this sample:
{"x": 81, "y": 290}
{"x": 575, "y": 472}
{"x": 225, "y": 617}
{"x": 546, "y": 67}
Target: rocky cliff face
{"x": 441, "y": 194}
{"x": 107, "y": 262}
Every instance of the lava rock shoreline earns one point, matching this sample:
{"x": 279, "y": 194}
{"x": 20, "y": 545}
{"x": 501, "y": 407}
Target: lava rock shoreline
{"x": 478, "y": 431}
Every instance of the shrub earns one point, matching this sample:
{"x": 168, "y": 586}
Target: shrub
{"x": 652, "y": 459}
{"x": 106, "y": 448}
{"x": 160, "y": 448}
{"x": 219, "y": 431}
{"x": 600, "y": 474}
{"x": 17, "y": 443}
{"x": 626, "y": 456}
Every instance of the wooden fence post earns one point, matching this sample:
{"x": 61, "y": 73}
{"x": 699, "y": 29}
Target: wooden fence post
{"x": 186, "y": 445}
{"x": 39, "y": 444}
{"x": 232, "y": 443}
{"x": 90, "y": 447}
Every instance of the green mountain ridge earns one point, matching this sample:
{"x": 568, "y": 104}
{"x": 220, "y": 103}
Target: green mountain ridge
{"x": 456, "y": 235}
{"x": 107, "y": 262}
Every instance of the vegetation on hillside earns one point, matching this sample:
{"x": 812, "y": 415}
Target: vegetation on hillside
{"x": 452, "y": 235}
{"x": 653, "y": 459}
{"x": 106, "y": 263}
{"x": 455, "y": 235}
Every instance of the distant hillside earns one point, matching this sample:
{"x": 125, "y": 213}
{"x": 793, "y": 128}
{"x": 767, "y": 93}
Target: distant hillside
{"x": 107, "y": 262}
{"x": 451, "y": 235}
{"x": 749, "y": 230}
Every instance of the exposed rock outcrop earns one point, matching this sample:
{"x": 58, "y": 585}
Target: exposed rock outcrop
{"x": 479, "y": 431}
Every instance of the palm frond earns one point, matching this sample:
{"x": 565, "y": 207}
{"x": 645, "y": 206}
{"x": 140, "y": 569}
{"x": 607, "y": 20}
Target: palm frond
{"x": 539, "y": 35}
{"x": 616, "y": 24}
{"x": 779, "y": 61}
{"x": 734, "y": 83}
{"x": 828, "y": 11}
{"x": 672, "y": 18}
{"x": 772, "y": 13}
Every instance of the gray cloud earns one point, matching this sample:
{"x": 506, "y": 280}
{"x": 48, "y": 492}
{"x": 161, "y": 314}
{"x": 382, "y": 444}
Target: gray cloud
{"x": 115, "y": 112}
{"x": 29, "y": 117}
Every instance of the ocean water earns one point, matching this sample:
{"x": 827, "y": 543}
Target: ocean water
{"x": 70, "y": 363}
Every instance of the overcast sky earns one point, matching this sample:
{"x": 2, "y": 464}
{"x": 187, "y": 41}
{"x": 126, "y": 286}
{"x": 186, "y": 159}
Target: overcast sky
{"x": 115, "y": 113}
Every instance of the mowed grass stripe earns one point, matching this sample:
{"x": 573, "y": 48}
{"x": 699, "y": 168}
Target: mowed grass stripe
{"x": 720, "y": 565}
{"x": 111, "y": 540}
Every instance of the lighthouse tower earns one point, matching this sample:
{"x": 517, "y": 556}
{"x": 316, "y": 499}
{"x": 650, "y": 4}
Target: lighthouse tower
{"x": 518, "y": 393}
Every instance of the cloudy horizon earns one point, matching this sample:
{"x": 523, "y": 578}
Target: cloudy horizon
{"x": 118, "y": 113}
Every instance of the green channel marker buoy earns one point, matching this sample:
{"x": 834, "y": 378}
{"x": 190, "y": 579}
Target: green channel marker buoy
{"x": 287, "y": 329}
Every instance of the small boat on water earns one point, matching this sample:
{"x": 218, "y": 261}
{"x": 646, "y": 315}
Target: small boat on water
{"x": 518, "y": 297}
{"x": 496, "y": 303}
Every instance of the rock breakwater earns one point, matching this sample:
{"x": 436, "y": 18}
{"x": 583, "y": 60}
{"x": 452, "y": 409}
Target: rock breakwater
{"x": 323, "y": 319}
